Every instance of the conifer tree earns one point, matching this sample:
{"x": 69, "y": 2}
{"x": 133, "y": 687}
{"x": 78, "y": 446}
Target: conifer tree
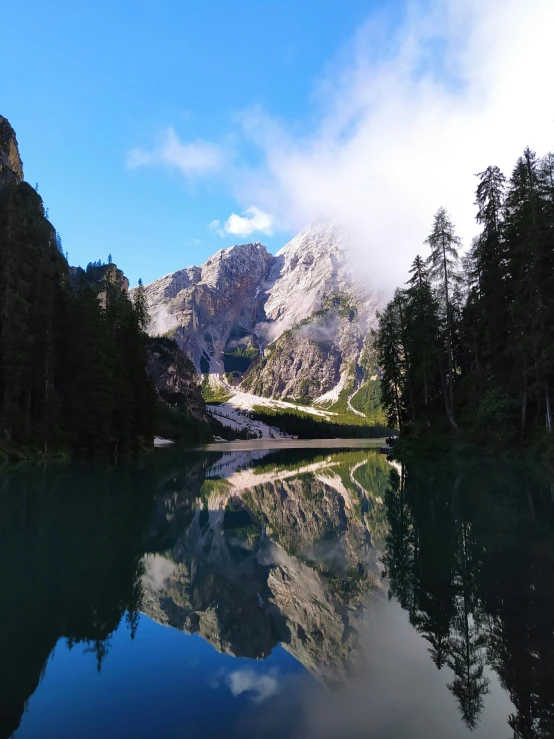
{"x": 140, "y": 302}
{"x": 528, "y": 243}
{"x": 443, "y": 267}
{"x": 422, "y": 331}
{"x": 391, "y": 356}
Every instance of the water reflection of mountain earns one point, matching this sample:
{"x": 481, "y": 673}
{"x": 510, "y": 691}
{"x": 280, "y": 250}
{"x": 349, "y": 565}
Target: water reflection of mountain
{"x": 73, "y": 539}
{"x": 274, "y": 548}
{"x": 277, "y": 552}
{"x": 470, "y": 556}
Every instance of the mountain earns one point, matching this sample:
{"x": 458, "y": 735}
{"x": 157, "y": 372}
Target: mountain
{"x": 11, "y": 166}
{"x": 181, "y": 409}
{"x": 292, "y": 326}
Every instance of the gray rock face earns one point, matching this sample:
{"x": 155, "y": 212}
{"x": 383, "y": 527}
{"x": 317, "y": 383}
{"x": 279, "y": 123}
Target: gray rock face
{"x": 203, "y": 306}
{"x": 297, "y": 366}
{"x": 289, "y": 325}
{"x": 11, "y": 166}
{"x": 174, "y": 378}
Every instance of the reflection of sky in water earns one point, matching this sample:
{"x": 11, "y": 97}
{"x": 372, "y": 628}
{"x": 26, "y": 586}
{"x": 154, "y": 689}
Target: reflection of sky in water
{"x": 395, "y": 692}
{"x": 162, "y": 684}
{"x": 169, "y": 684}
{"x": 278, "y": 561}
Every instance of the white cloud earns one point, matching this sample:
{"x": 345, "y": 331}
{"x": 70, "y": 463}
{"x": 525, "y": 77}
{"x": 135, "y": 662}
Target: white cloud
{"x": 401, "y": 122}
{"x": 192, "y": 158}
{"x": 404, "y": 121}
{"x": 259, "y": 687}
{"x": 254, "y": 220}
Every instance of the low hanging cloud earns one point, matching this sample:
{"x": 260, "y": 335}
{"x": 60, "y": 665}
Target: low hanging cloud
{"x": 404, "y": 120}
{"x": 191, "y": 159}
{"x": 252, "y": 221}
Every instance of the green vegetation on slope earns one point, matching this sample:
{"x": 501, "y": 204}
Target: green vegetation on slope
{"x": 213, "y": 394}
{"x": 310, "y": 426}
{"x": 368, "y": 400}
{"x": 176, "y": 424}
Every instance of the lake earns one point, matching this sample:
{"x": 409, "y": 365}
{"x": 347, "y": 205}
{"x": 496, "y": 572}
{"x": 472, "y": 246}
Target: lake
{"x": 257, "y": 589}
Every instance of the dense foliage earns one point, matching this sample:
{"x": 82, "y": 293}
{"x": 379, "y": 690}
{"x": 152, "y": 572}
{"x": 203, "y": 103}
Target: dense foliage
{"x": 72, "y": 370}
{"x": 469, "y": 343}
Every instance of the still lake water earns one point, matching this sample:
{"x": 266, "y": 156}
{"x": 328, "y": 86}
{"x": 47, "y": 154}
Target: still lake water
{"x": 255, "y": 590}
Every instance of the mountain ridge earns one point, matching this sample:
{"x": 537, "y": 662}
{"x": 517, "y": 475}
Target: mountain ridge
{"x": 289, "y": 326}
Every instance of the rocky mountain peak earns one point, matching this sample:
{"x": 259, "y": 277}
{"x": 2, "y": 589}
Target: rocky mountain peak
{"x": 269, "y": 323}
{"x": 233, "y": 263}
{"x": 11, "y": 166}
{"x": 310, "y": 267}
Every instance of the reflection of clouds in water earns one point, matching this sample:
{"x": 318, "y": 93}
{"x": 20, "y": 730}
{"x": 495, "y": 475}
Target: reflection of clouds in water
{"x": 397, "y": 691}
{"x": 259, "y": 687}
{"x": 157, "y": 570}
{"x": 394, "y": 692}
{"x": 330, "y": 553}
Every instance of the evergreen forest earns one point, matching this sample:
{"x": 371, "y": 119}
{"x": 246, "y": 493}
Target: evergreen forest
{"x": 72, "y": 368}
{"x": 467, "y": 346}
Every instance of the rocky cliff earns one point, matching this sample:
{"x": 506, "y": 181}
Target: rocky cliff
{"x": 101, "y": 277}
{"x": 11, "y": 166}
{"x": 175, "y": 379}
{"x": 291, "y": 325}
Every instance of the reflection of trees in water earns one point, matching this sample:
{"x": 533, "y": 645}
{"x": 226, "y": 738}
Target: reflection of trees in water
{"x": 470, "y": 557}
{"x": 72, "y": 539}
{"x": 72, "y": 543}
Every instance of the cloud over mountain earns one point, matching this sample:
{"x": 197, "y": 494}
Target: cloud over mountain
{"x": 252, "y": 221}
{"x": 404, "y": 120}
{"x": 400, "y": 122}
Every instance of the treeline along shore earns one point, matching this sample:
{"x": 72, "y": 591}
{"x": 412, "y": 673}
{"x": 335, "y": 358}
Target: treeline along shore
{"x": 467, "y": 346}
{"x": 74, "y": 352}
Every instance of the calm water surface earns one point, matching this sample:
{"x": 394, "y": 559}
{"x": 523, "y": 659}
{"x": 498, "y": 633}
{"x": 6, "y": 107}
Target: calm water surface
{"x": 254, "y": 590}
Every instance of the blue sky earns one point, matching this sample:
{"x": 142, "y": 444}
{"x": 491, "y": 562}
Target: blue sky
{"x": 86, "y": 82}
{"x": 145, "y": 121}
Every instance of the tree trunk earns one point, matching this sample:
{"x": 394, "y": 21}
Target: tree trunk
{"x": 397, "y": 403}
{"x": 46, "y": 404}
{"x": 523, "y": 410}
{"x": 407, "y": 364}
{"x": 445, "y": 396}
{"x": 449, "y": 344}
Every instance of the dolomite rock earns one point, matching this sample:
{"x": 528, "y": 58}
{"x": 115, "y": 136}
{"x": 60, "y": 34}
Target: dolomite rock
{"x": 301, "y": 309}
{"x": 11, "y": 166}
{"x": 174, "y": 378}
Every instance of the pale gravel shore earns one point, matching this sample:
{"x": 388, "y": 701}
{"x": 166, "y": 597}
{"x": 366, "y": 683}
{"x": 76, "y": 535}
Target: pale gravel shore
{"x": 158, "y": 441}
{"x": 276, "y": 444}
